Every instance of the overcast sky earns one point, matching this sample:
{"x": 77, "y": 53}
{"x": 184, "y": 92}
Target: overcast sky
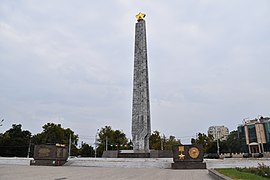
{"x": 71, "y": 62}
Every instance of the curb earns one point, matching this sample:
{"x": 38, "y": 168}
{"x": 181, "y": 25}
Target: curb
{"x": 216, "y": 175}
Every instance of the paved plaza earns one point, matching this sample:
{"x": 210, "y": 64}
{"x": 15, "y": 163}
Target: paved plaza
{"x": 10, "y": 172}
{"x": 101, "y": 168}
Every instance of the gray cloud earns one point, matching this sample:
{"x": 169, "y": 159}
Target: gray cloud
{"x": 72, "y": 63}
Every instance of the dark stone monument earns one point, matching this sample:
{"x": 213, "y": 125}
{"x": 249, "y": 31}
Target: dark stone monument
{"x": 50, "y": 155}
{"x": 188, "y": 157}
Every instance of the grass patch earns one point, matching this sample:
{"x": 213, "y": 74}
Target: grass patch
{"x": 261, "y": 170}
{"x": 235, "y": 174}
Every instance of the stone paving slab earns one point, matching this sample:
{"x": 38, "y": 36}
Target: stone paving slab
{"x": 12, "y": 172}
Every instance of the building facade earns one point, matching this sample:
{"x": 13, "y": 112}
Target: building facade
{"x": 218, "y": 132}
{"x": 254, "y": 135}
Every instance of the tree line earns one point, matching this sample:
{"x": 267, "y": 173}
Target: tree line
{"x": 20, "y": 143}
{"x": 109, "y": 139}
{"x": 231, "y": 145}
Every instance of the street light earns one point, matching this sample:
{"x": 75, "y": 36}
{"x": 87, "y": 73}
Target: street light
{"x": 96, "y": 143}
{"x": 217, "y": 137}
{"x": 29, "y": 149}
{"x": 69, "y": 147}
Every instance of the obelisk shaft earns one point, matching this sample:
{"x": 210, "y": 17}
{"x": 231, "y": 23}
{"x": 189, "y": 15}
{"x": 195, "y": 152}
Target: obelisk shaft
{"x": 141, "y": 127}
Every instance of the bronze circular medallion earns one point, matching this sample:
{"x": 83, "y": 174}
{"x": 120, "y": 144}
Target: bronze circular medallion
{"x": 193, "y": 152}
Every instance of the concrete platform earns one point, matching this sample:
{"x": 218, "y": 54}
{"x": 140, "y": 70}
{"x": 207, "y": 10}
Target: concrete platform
{"x": 143, "y": 163}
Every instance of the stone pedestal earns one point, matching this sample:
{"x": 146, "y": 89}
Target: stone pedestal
{"x": 188, "y": 165}
{"x": 133, "y": 155}
{"x": 50, "y": 155}
{"x": 125, "y": 154}
{"x": 188, "y": 157}
{"x": 137, "y": 154}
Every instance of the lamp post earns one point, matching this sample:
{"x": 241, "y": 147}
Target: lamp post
{"x": 217, "y": 136}
{"x": 106, "y": 143}
{"x": 29, "y": 148}
{"x": 69, "y": 147}
{"x": 96, "y": 143}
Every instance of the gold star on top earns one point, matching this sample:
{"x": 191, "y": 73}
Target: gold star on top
{"x": 140, "y": 16}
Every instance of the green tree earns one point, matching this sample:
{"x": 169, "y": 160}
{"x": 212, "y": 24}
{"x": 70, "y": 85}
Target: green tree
{"x": 55, "y": 134}
{"x": 206, "y": 141}
{"x": 223, "y": 146}
{"x": 170, "y": 142}
{"x": 15, "y": 142}
{"x": 116, "y": 140}
{"x": 230, "y": 145}
{"x": 155, "y": 140}
{"x": 86, "y": 150}
{"x": 233, "y": 142}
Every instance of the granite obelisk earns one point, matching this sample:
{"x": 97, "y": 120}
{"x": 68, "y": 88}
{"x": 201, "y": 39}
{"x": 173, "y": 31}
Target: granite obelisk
{"x": 141, "y": 127}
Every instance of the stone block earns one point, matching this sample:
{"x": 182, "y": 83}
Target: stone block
{"x": 110, "y": 154}
{"x": 188, "y": 165}
{"x": 50, "y": 152}
{"x": 190, "y": 153}
{"x": 49, "y": 155}
{"x": 188, "y": 157}
{"x": 133, "y": 155}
